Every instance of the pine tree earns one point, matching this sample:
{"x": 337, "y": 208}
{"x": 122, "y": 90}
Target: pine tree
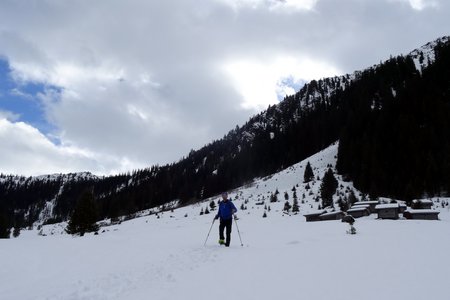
{"x": 273, "y": 198}
{"x": 84, "y": 216}
{"x": 16, "y": 231}
{"x": 287, "y": 206}
{"x": 286, "y": 196}
{"x": 309, "y": 174}
{"x": 343, "y": 204}
{"x": 4, "y": 230}
{"x": 295, "y": 207}
{"x": 264, "y": 215}
{"x": 212, "y": 205}
{"x": 328, "y": 188}
{"x": 352, "y": 198}
{"x": 206, "y": 211}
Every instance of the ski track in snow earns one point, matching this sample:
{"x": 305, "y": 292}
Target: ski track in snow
{"x": 283, "y": 256}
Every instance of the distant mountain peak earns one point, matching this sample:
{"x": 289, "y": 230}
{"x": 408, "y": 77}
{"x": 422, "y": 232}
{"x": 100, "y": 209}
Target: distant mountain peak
{"x": 425, "y": 55}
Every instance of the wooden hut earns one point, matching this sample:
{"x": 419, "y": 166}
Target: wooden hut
{"x": 371, "y": 204}
{"x": 388, "y": 211}
{"x": 359, "y": 211}
{"x": 334, "y": 215}
{"x": 421, "y": 214}
{"x": 314, "y": 216}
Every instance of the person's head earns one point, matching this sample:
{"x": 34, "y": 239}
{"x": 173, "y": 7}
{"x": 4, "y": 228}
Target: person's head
{"x": 225, "y": 196}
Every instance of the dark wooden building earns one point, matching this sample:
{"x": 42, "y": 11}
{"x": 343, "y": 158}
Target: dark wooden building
{"x": 421, "y": 214}
{"x": 334, "y": 215}
{"x": 371, "y": 204}
{"x": 359, "y": 211}
{"x": 312, "y": 217}
{"x": 388, "y": 211}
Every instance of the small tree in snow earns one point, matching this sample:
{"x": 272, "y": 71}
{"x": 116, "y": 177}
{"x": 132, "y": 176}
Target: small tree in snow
{"x": 295, "y": 207}
{"x": 352, "y": 198}
{"x": 287, "y": 206}
{"x": 16, "y": 231}
{"x": 328, "y": 188}
{"x": 309, "y": 174}
{"x": 4, "y": 229}
{"x": 343, "y": 204}
{"x": 84, "y": 216}
{"x": 273, "y": 198}
{"x": 212, "y": 205}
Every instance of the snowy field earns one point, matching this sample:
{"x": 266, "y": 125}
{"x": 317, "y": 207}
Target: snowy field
{"x": 283, "y": 256}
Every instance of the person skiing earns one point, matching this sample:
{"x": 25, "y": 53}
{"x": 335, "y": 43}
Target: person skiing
{"x": 225, "y": 213}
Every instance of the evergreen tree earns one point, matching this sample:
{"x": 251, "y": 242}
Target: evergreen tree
{"x": 295, "y": 207}
{"x": 16, "y": 231}
{"x": 4, "y": 229}
{"x": 328, "y": 188}
{"x": 84, "y": 216}
{"x": 212, "y": 205}
{"x": 309, "y": 174}
{"x": 352, "y": 198}
{"x": 286, "y": 196}
{"x": 273, "y": 198}
{"x": 264, "y": 215}
{"x": 343, "y": 204}
{"x": 287, "y": 206}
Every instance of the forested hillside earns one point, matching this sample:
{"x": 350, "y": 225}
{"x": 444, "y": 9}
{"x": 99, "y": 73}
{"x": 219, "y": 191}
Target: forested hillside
{"x": 392, "y": 121}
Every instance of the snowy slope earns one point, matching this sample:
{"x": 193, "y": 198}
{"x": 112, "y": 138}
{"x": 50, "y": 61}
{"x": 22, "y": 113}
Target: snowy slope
{"x": 425, "y": 55}
{"x": 162, "y": 256}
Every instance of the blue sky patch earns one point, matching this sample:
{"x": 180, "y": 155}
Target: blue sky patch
{"x": 22, "y": 100}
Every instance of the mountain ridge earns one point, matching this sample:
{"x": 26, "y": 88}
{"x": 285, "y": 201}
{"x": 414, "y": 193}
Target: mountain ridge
{"x": 285, "y": 133}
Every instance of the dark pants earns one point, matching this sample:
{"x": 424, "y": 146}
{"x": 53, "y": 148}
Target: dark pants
{"x": 225, "y": 224}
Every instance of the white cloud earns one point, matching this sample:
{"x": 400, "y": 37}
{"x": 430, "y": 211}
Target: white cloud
{"x": 26, "y": 151}
{"x": 420, "y": 4}
{"x": 272, "y": 4}
{"x": 261, "y": 82}
{"x": 143, "y": 82}
{"x": 19, "y": 93}
{"x": 10, "y": 116}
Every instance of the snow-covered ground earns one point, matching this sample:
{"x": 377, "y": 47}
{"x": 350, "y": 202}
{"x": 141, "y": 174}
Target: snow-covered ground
{"x": 283, "y": 256}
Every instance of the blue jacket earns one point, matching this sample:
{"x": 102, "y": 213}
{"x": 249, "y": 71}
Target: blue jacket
{"x": 226, "y": 210}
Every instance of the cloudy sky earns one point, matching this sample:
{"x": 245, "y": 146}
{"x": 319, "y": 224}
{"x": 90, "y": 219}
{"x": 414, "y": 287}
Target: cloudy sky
{"x": 108, "y": 86}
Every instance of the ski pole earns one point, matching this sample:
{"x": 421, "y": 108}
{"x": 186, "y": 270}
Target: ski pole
{"x": 237, "y": 227}
{"x": 209, "y": 231}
